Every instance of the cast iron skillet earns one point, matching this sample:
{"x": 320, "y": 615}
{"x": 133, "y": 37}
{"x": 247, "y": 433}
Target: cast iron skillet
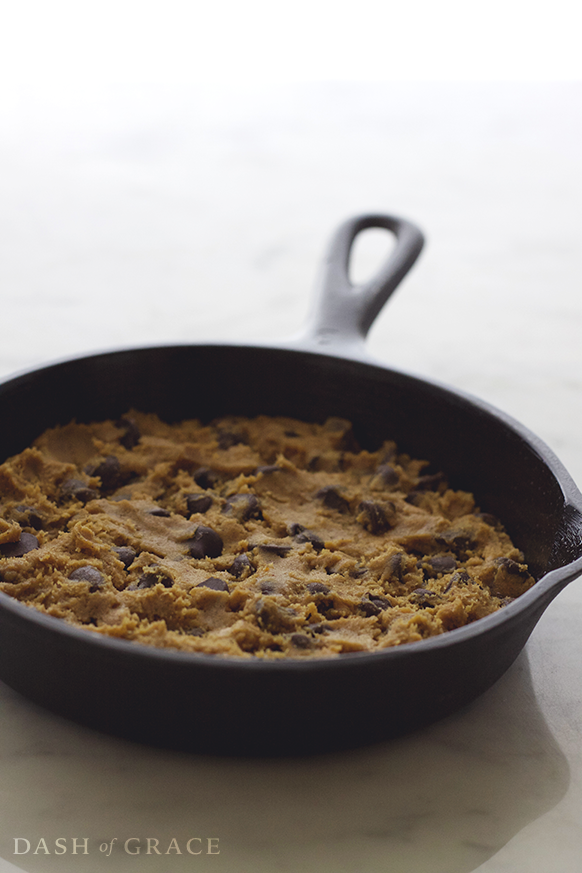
{"x": 228, "y": 706}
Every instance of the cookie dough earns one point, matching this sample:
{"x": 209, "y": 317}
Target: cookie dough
{"x": 265, "y": 537}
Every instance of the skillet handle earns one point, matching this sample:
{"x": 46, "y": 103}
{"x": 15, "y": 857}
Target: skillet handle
{"x": 343, "y": 313}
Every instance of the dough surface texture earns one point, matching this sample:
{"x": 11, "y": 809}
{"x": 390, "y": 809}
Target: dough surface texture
{"x": 266, "y": 537}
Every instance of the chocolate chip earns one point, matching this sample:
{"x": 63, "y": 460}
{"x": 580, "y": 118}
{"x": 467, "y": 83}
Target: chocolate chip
{"x": 275, "y": 548}
{"x": 132, "y": 435}
{"x": 373, "y": 517}
{"x": 74, "y": 489}
{"x": 29, "y": 517}
{"x": 490, "y": 519}
{"x": 88, "y": 574}
{"x": 332, "y": 499}
{"x": 205, "y": 543}
{"x": 159, "y": 512}
{"x": 26, "y": 543}
{"x": 268, "y": 588}
{"x": 198, "y": 503}
{"x": 291, "y": 433}
{"x": 461, "y": 578}
{"x": 510, "y": 566}
{"x": 443, "y": 563}
{"x": 274, "y": 618}
{"x": 194, "y": 632}
{"x": 154, "y": 575}
{"x": 423, "y": 597}
{"x": 301, "y": 641}
{"x": 243, "y": 507}
{"x": 228, "y": 438}
{"x": 387, "y": 475}
{"x": 303, "y": 535}
{"x": 270, "y": 468}
{"x": 205, "y": 477}
{"x": 215, "y": 583}
{"x": 430, "y": 482}
{"x": 240, "y": 566}
{"x": 395, "y": 567}
{"x": 369, "y": 608}
{"x": 125, "y": 554}
{"x": 109, "y": 471}
{"x": 379, "y": 601}
{"x": 458, "y": 542}
{"x": 317, "y": 588}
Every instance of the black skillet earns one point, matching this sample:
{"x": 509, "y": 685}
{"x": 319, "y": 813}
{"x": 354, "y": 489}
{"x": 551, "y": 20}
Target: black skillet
{"x": 228, "y": 706}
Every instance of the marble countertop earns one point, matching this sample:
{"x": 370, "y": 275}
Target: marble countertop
{"x": 144, "y": 215}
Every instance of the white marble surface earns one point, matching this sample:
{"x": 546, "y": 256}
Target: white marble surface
{"x": 150, "y": 215}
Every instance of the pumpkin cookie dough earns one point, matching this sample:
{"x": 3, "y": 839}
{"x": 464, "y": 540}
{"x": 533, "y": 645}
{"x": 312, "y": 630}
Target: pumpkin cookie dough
{"x": 264, "y": 538}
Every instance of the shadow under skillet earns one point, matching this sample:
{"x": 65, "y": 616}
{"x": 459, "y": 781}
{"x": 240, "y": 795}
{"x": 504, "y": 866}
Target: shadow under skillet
{"x": 443, "y": 800}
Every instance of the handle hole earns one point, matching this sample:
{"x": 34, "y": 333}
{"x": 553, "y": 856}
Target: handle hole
{"x": 370, "y": 250}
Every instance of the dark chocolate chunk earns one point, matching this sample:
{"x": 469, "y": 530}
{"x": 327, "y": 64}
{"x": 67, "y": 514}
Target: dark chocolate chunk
{"x": 303, "y": 535}
{"x": 320, "y": 628}
{"x": 458, "y": 542}
{"x": 387, "y": 475}
{"x": 125, "y": 554}
{"x": 159, "y": 512}
{"x": 109, "y": 471}
{"x": 205, "y": 477}
{"x": 154, "y": 575}
{"x": 229, "y": 438}
{"x": 430, "y": 482}
{"x": 243, "y": 507}
{"x": 512, "y": 567}
{"x": 395, "y": 566}
{"x": 270, "y": 468}
{"x": 132, "y": 435}
{"x": 74, "y": 489}
{"x": 301, "y": 641}
{"x": 373, "y": 517}
{"x": 379, "y": 601}
{"x": 275, "y": 548}
{"x": 29, "y": 517}
{"x": 268, "y": 587}
{"x": 88, "y": 574}
{"x": 26, "y": 543}
{"x": 331, "y": 498}
{"x": 215, "y": 583}
{"x": 275, "y": 618}
{"x": 423, "y": 597}
{"x": 240, "y": 566}
{"x": 443, "y": 563}
{"x": 205, "y": 543}
{"x": 317, "y": 588}
{"x": 461, "y": 578}
{"x": 369, "y": 608}
{"x": 490, "y": 519}
{"x": 198, "y": 503}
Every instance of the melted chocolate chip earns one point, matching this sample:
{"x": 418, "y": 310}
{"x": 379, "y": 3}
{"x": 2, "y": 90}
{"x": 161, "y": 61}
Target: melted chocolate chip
{"x": 125, "y": 554}
{"x": 243, "y": 507}
{"x": 205, "y": 477}
{"x": 331, "y": 498}
{"x": 205, "y": 543}
{"x": 317, "y": 588}
{"x": 198, "y": 503}
{"x": 373, "y": 517}
{"x": 215, "y": 583}
{"x": 74, "y": 489}
{"x": 240, "y": 566}
{"x": 26, "y": 543}
{"x": 88, "y": 574}
{"x": 132, "y": 435}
